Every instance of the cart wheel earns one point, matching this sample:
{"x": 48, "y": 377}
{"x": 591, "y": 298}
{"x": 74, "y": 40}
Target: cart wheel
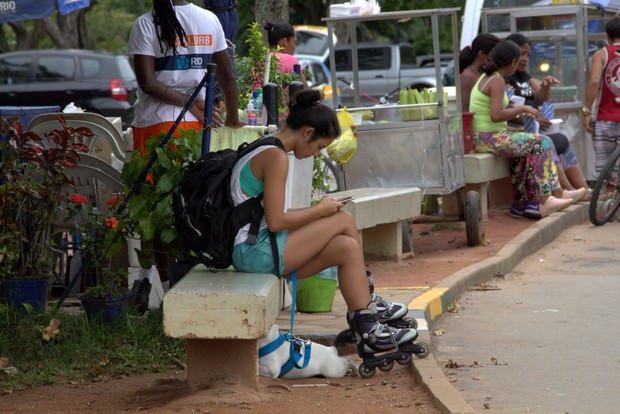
{"x": 473, "y": 219}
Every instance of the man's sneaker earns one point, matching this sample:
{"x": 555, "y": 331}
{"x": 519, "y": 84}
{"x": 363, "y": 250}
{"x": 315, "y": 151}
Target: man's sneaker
{"x": 516, "y": 211}
{"x": 532, "y": 210}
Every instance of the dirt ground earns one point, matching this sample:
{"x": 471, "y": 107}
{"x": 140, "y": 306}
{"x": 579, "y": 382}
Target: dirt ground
{"x": 439, "y": 250}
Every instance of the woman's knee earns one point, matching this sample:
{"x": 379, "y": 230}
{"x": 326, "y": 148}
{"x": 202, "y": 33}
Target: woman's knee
{"x": 560, "y": 142}
{"x": 345, "y": 219}
{"x": 547, "y": 143}
{"x": 345, "y": 246}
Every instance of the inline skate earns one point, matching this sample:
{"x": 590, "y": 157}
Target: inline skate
{"x": 390, "y": 313}
{"x": 380, "y": 345}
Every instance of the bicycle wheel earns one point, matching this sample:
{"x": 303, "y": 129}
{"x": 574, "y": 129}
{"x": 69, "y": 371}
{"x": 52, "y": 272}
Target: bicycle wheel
{"x": 330, "y": 180}
{"x": 606, "y": 194}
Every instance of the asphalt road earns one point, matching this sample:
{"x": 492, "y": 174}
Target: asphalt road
{"x": 543, "y": 338}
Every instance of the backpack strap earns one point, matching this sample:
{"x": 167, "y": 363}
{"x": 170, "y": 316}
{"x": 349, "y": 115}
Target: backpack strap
{"x": 255, "y": 217}
{"x": 274, "y": 252}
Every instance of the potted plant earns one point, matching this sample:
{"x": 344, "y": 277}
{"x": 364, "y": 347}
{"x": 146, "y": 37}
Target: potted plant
{"x": 251, "y": 70}
{"x": 99, "y": 237}
{"x": 32, "y": 176}
{"x": 149, "y": 209}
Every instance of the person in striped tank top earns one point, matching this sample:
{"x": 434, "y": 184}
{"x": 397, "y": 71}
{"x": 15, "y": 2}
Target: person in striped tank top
{"x": 601, "y": 111}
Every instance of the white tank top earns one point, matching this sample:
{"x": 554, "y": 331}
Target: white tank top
{"x": 238, "y": 196}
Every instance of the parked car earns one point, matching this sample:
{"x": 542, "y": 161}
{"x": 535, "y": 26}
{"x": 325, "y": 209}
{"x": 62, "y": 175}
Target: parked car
{"x": 97, "y": 82}
{"x": 320, "y": 75}
{"x": 312, "y": 41}
{"x": 384, "y": 69}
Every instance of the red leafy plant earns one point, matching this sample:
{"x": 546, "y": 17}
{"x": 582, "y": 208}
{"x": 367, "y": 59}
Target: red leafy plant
{"x": 32, "y": 176}
{"x": 99, "y": 237}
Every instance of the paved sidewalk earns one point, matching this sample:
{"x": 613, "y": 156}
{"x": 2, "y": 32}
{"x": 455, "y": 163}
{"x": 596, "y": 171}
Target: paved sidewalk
{"x": 428, "y": 303}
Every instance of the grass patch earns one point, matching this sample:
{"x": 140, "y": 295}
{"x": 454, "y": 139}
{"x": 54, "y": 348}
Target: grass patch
{"x": 82, "y": 351}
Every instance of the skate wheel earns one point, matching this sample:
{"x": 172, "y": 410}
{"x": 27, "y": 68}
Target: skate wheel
{"x": 366, "y": 372}
{"x": 404, "y": 361}
{"x": 387, "y": 367}
{"x": 427, "y": 350}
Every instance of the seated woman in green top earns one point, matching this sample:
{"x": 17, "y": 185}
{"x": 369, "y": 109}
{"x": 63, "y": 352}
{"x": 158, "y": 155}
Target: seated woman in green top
{"x": 536, "y": 189}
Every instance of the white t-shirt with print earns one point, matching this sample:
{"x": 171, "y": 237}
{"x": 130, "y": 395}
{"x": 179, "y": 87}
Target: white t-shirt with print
{"x": 182, "y": 71}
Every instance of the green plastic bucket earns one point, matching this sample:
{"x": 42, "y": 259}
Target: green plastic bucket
{"x": 315, "y": 294}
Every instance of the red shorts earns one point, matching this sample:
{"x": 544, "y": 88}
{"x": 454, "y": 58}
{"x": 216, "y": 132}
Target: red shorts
{"x": 140, "y": 135}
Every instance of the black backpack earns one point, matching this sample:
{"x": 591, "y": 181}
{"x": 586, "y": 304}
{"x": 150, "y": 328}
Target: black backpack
{"x": 205, "y": 216}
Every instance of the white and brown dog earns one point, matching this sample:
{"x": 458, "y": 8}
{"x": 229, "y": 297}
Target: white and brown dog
{"x": 324, "y": 360}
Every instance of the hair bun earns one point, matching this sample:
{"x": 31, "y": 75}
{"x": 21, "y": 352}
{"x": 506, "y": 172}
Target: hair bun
{"x": 304, "y": 97}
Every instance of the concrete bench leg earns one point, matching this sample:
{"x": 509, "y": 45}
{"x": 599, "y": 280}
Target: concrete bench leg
{"x": 384, "y": 241}
{"x": 216, "y": 360}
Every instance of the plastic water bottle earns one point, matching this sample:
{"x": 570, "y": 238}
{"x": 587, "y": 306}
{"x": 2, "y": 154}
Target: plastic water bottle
{"x": 249, "y": 110}
{"x": 257, "y": 98}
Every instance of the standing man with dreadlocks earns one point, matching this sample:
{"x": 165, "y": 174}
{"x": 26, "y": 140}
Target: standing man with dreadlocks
{"x": 171, "y": 47}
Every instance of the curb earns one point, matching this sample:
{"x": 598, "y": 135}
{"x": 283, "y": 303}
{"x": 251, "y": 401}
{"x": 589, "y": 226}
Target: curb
{"x": 429, "y": 307}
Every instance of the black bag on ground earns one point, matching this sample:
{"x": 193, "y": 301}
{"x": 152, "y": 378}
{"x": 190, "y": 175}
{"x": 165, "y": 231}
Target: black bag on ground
{"x": 205, "y": 216}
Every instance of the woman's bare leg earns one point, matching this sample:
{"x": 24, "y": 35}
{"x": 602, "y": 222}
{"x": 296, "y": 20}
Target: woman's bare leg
{"x": 331, "y": 241}
{"x": 575, "y": 177}
{"x": 562, "y": 177}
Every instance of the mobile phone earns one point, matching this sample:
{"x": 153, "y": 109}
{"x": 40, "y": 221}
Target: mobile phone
{"x": 346, "y": 199}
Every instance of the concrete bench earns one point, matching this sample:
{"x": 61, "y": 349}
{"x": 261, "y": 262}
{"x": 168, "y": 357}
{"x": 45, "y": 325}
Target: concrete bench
{"x": 488, "y": 175}
{"x": 378, "y": 213}
{"x": 222, "y": 316}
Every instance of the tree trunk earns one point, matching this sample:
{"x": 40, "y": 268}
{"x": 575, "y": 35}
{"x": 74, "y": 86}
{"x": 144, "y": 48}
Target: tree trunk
{"x": 271, "y": 11}
{"x": 68, "y": 31}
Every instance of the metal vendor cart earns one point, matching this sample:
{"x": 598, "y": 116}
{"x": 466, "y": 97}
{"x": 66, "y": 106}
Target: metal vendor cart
{"x": 400, "y": 150}
{"x": 563, "y": 39}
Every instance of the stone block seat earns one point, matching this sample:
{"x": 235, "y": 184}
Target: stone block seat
{"x": 378, "y": 213}
{"x": 488, "y": 175}
{"x": 222, "y": 316}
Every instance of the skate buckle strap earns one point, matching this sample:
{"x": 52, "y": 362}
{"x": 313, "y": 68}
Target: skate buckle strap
{"x": 295, "y": 343}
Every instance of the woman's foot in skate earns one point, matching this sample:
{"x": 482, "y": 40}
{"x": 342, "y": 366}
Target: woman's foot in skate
{"x": 374, "y": 336}
{"x": 389, "y": 312}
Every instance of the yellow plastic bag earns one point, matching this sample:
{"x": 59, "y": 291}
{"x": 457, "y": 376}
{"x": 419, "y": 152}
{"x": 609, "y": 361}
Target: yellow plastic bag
{"x": 344, "y": 147}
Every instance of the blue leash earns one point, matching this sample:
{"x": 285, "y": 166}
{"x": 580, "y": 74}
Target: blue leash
{"x": 295, "y": 343}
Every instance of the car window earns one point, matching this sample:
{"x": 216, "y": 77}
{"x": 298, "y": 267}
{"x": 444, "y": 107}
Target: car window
{"x": 374, "y": 58}
{"x": 310, "y": 44}
{"x": 407, "y": 56}
{"x": 371, "y": 58}
{"x": 90, "y": 67}
{"x": 54, "y": 68}
{"x": 319, "y": 74}
{"x": 125, "y": 68}
{"x": 343, "y": 60}
{"x": 14, "y": 70}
